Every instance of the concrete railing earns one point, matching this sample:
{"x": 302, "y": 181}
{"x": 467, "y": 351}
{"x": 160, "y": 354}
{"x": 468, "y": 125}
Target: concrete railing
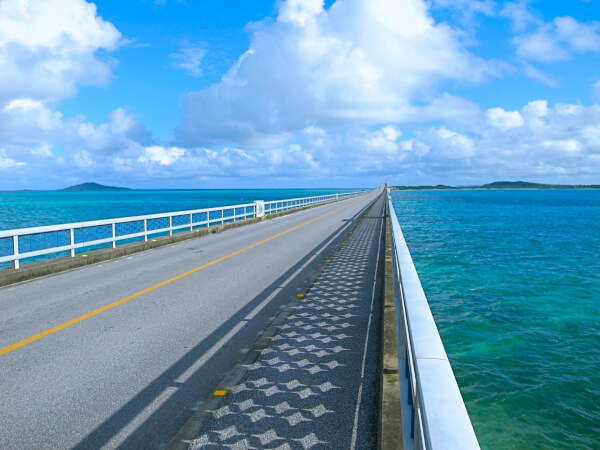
{"x": 434, "y": 415}
{"x": 22, "y": 243}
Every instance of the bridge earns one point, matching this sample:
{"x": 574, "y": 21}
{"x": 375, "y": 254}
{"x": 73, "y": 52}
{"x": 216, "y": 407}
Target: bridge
{"x": 289, "y": 324}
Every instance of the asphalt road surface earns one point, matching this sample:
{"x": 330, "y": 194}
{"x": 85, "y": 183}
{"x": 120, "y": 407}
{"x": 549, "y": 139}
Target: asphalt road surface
{"x": 121, "y": 353}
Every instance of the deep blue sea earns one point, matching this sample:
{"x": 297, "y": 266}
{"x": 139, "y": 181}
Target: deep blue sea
{"x": 513, "y": 281}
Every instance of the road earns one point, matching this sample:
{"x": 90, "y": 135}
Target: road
{"x": 120, "y": 354}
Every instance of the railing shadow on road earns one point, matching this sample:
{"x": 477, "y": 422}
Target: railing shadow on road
{"x": 161, "y": 426}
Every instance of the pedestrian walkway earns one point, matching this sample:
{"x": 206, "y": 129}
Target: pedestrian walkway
{"x": 316, "y": 384}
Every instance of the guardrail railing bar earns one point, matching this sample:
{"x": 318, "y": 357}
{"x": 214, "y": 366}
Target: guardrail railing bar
{"x": 270, "y": 207}
{"x": 437, "y": 416}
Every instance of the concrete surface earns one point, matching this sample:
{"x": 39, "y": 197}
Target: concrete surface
{"x": 315, "y": 382}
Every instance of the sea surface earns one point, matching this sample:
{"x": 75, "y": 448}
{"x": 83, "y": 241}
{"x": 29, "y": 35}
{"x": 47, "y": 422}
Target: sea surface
{"x": 38, "y": 208}
{"x": 512, "y": 277}
{"x": 513, "y": 281}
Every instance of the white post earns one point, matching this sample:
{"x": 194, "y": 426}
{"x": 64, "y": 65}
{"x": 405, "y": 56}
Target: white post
{"x": 114, "y": 235}
{"x": 15, "y": 263}
{"x": 72, "y": 233}
{"x": 170, "y": 225}
{"x": 145, "y": 230}
{"x": 191, "y": 227}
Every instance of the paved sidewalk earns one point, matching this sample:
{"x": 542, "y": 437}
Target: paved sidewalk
{"x": 316, "y": 384}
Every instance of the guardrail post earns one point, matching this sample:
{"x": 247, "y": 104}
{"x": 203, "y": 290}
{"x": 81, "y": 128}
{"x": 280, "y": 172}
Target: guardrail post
{"x": 114, "y": 235}
{"x": 222, "y": 216}
{"x": 191, "y": 227}
{"x": 170, "y": 225}
{"x": 72, "y": 234}
{"x": 145, "y": 230}
{"x": 15, "y": 263}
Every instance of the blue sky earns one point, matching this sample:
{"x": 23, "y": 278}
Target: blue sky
{"x": 298, "y": 93}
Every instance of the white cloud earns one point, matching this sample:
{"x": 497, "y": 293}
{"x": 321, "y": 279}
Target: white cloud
{"x": 161, "y": 155}
{"x": 520, "y": 14}
{"x": 504, "y": 120}
{"x": 467, "y": 9}
{"x": 189, "y": 59}
{"x": 122, "y": 128}
{"x": 8, "y": 163}
{"x": 44, "y": 150}
{"x": 354, "y": 63}
{"x": 47, "y": 47}
{"x": 24, "y": 117}
{"x": 557, "y": 40}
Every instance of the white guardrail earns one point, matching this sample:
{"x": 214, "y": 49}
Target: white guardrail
{"x": 38, "y": 241}
{"x": 434, "y": 415}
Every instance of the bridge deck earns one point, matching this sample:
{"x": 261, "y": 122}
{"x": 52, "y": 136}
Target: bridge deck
{"x": 120, "y": 354}
{"x": 315, "y": 383}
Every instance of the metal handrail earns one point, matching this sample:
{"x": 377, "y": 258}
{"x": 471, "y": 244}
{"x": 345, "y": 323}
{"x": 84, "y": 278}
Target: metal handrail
{"x": 434, "y": 415}
{"x": 237, "y": 212}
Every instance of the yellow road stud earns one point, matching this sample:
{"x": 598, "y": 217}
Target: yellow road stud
{"x": 220, "y": 393}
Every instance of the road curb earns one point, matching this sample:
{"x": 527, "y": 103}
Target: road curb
{"x": 390, "y": 435}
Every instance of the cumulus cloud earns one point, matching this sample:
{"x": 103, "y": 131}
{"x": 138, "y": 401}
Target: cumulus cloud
{"x": 161, "y": 155}
{"x": 122, "y": 128}
{"x": 537, "y": 141}
{"x": 557, "y": 40}
{"x": 504, "y": 120}
{"x": 47, "y": 47}
{"x": 354, "y": 63}
{"x": 8, "y": 163}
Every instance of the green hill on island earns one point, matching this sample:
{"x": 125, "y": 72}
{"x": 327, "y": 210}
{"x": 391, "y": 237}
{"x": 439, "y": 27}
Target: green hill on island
{"x": 504, "y": 185}
{"x": 94, "y": 187}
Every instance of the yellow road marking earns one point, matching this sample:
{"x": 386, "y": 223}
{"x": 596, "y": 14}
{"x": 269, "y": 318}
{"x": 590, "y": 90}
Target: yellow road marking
{"x": 95, "y": 312}
{"x": 220, "y": 393}
{"x": 300, "y": 295}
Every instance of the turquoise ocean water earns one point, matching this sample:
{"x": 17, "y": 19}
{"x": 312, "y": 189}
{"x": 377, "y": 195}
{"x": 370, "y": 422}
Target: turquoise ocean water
{"x": 513, "y": 281}
{"x": 512, "y": 277}
{"x": 29, "y": 209}
{"x": 37, "y": 208}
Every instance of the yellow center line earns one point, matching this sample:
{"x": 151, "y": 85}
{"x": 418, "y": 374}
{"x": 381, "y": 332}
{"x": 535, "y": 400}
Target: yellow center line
{"x": 95, "y": 312}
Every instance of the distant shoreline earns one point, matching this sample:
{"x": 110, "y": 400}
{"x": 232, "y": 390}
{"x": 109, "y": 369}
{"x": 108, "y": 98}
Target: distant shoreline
{"x": 498, "y": 185}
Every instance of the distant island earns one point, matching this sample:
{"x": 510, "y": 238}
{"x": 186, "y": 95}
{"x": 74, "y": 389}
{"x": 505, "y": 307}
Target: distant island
{"x": 94, "y": 187}
{"x": 503, "y": 185}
